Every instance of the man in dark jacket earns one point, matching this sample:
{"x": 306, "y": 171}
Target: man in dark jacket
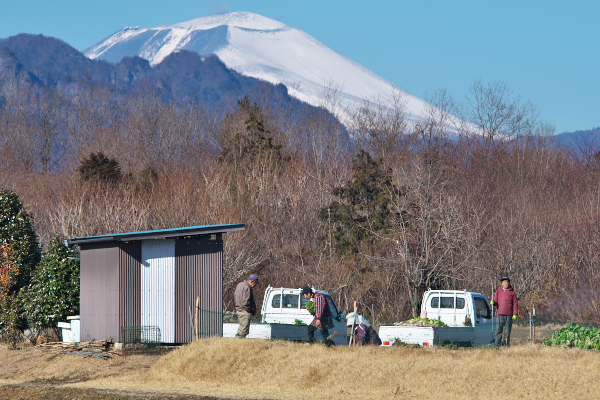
{"x": 505, "y": 299}
{"x": 323, "y": 318}
{"x": 245, "y": 306}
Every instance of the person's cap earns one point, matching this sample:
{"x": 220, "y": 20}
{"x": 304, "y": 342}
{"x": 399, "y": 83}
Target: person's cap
{"x": 505, "y": 278}
{"x": 306, "y": 289}
{"x": 254, "y": 278}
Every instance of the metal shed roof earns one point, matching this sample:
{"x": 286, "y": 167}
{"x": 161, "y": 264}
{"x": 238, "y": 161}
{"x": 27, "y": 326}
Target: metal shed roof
{"x": 158, "y": 234}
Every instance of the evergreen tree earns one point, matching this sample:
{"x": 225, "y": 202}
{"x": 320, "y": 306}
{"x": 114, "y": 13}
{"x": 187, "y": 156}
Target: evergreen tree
{"x": 54, "y": 291}
{"x": 18, "y": 238}
{"x": 254, "y": 142}
{"x": 101, "y": 168}
{"x": 363, "y": 211}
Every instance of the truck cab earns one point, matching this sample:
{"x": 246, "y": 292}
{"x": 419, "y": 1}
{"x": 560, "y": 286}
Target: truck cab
{"x": 287, "y": 306}
{"x": 460, "y": 309}
{"x": 456, "y": 308}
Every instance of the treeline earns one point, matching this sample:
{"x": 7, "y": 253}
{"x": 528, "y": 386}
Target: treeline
{"x": 376, "y": 212}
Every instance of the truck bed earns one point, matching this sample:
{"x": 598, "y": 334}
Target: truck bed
{"x": 269, "y": 331}
{"x": 427, "y": 336}
{"x": 280, "y": 331}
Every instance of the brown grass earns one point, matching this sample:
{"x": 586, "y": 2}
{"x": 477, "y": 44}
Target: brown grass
{"x": 295, "y": 371}
{"x": 285, "y": 370}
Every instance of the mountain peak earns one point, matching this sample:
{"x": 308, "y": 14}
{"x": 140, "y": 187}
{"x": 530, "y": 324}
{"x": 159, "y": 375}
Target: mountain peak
{"x": 263, "y": 48}
{"x": 238, "y": 19}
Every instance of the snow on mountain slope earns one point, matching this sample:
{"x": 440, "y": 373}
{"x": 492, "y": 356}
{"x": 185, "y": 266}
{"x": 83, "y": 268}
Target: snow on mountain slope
{"x": 262, "y": 48}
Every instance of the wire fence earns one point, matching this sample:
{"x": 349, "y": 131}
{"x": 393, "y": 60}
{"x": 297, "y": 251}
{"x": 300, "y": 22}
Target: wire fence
{"x": 233, "y": 317}
{"x": 141, "y": 339}
{"x": 295, "y": 328}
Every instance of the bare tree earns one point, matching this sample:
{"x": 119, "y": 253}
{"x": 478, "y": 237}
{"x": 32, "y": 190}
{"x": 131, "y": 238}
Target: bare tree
{"x": 436, "y": 238}
{"x": 93, "y": 122}
{"x": 380, "y": 127}
{"x": 49, "y": 117}
{"x": 498, "y": 113}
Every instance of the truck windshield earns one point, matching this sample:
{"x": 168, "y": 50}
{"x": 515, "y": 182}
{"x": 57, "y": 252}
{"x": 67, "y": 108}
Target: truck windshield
{"x": 447, "y": 302}
{"x": 289, "y": 301}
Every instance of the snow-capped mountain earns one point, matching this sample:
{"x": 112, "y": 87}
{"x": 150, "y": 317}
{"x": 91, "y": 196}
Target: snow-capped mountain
{"x": 266, "y": 49}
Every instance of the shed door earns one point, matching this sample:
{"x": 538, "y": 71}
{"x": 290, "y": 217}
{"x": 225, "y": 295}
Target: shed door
{"x": 158, "y": 286}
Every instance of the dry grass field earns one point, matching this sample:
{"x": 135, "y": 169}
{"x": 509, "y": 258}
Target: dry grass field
{"x": 258, "y": 369}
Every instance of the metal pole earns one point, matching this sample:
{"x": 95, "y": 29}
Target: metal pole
{"x": 493, "y": 324}
{"x": 373, "y": 314}
{"x": 533, "y": 325}
{"x": 351, "y": 341}
{"x": 191, "y": 321}
{"x": 530, "y": 330}
{"x": 197, "y": 324}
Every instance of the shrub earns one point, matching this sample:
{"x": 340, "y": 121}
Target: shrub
{"x": 9, "y": 270}
{"x": 54, "y": 292}
{"x": 9, "y": 320}
{"x": 21, "y": 247}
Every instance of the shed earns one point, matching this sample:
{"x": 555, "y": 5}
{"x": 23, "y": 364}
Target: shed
{"x": 152, "y": 278}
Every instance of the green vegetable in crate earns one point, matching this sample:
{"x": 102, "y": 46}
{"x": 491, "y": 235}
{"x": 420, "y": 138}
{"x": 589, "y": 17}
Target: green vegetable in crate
{"x": 436, "y": 322}
{"x": 422, "y": 322}
{"x": 310, "y": 306}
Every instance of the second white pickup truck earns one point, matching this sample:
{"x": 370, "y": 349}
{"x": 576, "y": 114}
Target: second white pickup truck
{"x": 282, "y": 313}
{"x": 468, "y": 316}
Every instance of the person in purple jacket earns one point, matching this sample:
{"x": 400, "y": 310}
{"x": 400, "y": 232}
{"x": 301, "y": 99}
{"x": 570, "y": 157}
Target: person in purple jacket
{"x": 363, "y": 331}
{"x": 505, "y": 299}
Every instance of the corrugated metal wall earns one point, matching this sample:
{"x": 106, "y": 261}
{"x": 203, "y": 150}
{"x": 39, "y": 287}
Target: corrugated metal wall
{"x": 99, "y": 308}
{"x": 199, "y": 273}
{"x": 211, "y": 323}
{"x": 158, "y": 286}
{"x": 130, "y": 299}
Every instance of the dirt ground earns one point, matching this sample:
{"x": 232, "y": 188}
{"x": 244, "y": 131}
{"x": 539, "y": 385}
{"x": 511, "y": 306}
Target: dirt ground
{"x": 48, "y": 392}
{"x": 520, "y": 333}
{"x": 40, "y": 373}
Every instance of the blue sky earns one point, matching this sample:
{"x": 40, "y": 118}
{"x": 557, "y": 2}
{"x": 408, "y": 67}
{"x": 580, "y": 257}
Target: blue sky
{"x": 548, "y": 52}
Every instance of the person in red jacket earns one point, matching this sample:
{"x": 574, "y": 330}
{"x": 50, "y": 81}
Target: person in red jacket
{"x": 505, "y": 299}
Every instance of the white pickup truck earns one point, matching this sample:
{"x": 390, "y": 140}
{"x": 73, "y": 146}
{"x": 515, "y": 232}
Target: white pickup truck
{"x": 468, "y": 317}
{"x": 281, "y": 313}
